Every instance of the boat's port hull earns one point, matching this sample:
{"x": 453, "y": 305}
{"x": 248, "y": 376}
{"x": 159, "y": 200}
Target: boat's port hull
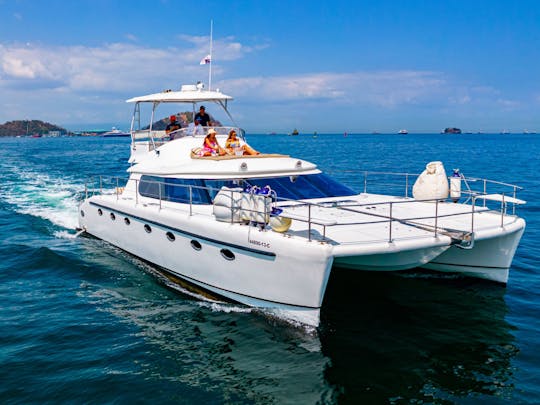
{"x": 244, "y": 267}
{"x": 488, "y": 259}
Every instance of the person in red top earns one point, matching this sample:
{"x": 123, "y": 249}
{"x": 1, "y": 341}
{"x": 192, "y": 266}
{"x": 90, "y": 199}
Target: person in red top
{"x": 173, "y": 125}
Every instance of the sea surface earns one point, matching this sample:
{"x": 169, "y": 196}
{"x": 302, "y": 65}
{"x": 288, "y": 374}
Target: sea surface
{"x": 83, "y": 322}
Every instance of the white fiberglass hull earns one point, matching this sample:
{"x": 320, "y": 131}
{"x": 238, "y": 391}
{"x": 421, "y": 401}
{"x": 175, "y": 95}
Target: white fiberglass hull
{"x": 285, "y": 272}
{"x": 231, "y": 260}
{"x": 488, "y": 259}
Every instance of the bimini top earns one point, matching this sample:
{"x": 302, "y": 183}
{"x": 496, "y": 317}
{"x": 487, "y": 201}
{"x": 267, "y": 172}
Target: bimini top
{"x": 188, "y": 94}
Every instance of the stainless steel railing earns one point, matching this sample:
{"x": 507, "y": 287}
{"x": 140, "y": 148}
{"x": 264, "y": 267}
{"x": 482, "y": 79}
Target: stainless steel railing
{"x": 111, "y": 186}
{"x": 162, "y": 136}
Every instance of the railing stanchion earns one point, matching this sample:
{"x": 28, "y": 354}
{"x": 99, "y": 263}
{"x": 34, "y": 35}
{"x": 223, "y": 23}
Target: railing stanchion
{"x": 309, "y": 222}
{"x": 406, "y": 185}
{"x": 514, "y": 205}
{"x": 472, "y": 214}
{"x": 503, "y": 209}
{"x": 159, "y": 188}
{"x": 436, "y": 216}
{"x": 485, "y": 190}
{"x": 190, "y": 200}
{"x": 232, "y": 207}
{"x": 117, "y": 191}
{"x": 365, "y": 182}
{"x": 100, "y": 185}
{"x": 136, "y": 192}
{"x": 390, "y": 227}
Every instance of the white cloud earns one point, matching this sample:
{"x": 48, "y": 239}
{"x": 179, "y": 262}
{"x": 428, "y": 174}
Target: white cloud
{"x": 227, "y": 48}
{"x": 386, "y": 89}
{"x": 70, "y": 84}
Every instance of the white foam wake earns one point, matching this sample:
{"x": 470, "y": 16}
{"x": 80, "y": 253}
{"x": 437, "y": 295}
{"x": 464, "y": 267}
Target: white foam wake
{"x": 42, "y": 195}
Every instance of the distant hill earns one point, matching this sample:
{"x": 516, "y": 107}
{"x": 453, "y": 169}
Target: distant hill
{"x": 30, "y": 127}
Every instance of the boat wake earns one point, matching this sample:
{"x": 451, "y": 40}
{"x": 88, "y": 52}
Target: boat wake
{"x": 296, "y": 319}
{"x": 42, "y": 195}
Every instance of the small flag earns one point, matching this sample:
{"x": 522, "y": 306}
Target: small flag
{"x": 206, "y": 60}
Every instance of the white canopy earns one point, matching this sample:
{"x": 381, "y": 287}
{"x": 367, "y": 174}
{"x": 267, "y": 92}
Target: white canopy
{"x": 188, "y": 94}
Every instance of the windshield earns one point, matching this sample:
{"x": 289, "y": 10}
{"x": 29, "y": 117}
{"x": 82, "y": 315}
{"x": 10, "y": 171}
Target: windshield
{"x": 290, "y": 187}
{"x": 198, "y": 191}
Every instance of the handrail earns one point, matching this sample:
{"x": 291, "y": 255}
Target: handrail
{"x": 109, "y": 185}
{"x": 143, "y": 135}
{"x": 366, "y": 175}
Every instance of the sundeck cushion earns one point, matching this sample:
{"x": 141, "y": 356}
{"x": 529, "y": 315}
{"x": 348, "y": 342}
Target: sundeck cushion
{"x": 195, "y": 155}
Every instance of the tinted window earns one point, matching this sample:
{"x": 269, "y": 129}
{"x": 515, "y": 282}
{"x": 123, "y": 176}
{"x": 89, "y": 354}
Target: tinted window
{"x": 303, "y": 187}
{"x": 290, "y": 187}
{"x": 176, "y": 190}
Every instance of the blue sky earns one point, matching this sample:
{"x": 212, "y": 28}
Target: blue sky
{"x": 326, "y": 66}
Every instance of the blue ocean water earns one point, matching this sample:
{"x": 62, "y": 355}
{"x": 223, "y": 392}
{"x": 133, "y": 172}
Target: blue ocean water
{"x": 81, "y": 321}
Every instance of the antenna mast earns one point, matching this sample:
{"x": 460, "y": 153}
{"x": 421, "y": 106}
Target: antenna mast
{"x": 211, "y": 59}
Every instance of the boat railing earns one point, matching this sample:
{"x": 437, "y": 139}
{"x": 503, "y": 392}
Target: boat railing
{"x": 308, "y": 211}
{"x": 160, "y": 136}
{"x": 396, "y": 183}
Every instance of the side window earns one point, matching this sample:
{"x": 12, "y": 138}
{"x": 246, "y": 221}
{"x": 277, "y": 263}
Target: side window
{"x": 214, "y": 186}
{"x": 176, "y": 190}
{"x": 149, "y": 186}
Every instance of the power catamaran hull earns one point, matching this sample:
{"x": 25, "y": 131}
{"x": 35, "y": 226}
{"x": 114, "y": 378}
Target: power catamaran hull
{"x": 261, "y": 268}
{"x": 163, "y": 217}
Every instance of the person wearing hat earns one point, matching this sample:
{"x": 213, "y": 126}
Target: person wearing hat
{"x": 203, "y": 116}
{"x": 173, "y": 125}
{"x": 211, "y": 146}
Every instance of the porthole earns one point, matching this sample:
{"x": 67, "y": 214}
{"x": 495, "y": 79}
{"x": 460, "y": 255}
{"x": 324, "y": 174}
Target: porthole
{"x": 127, "y": 221}
{"x": 113, "y": 217}
{"x": 170, "y": 236}
{"x": 100, "y": 213}
{"x": 82, "y": 213}
{"x": 147, "y": 228}
{"x": 196, "y": 245}
{"x": 227, "y": 254}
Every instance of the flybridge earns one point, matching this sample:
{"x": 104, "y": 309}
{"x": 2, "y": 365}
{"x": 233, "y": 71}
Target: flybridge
{"x": 147, "y": 140}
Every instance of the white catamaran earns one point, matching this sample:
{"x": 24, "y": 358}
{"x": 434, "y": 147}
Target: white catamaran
{"x": 267, "y": 230}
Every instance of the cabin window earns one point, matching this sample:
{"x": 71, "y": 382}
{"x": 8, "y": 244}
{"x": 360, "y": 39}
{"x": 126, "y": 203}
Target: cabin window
{"x": 176, "y": 190}
{"x": 204, "y": 191}
{"x": 304, "y": 187}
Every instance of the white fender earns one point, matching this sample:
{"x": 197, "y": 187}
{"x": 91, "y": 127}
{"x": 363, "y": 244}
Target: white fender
{"x": 432, "y": 184}
{"x": 227, "y": 205}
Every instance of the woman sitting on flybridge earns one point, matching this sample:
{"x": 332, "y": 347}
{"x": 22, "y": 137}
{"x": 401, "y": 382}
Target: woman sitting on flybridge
{"x": 211, "y": 146}
{"x": 233, "y": 146}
